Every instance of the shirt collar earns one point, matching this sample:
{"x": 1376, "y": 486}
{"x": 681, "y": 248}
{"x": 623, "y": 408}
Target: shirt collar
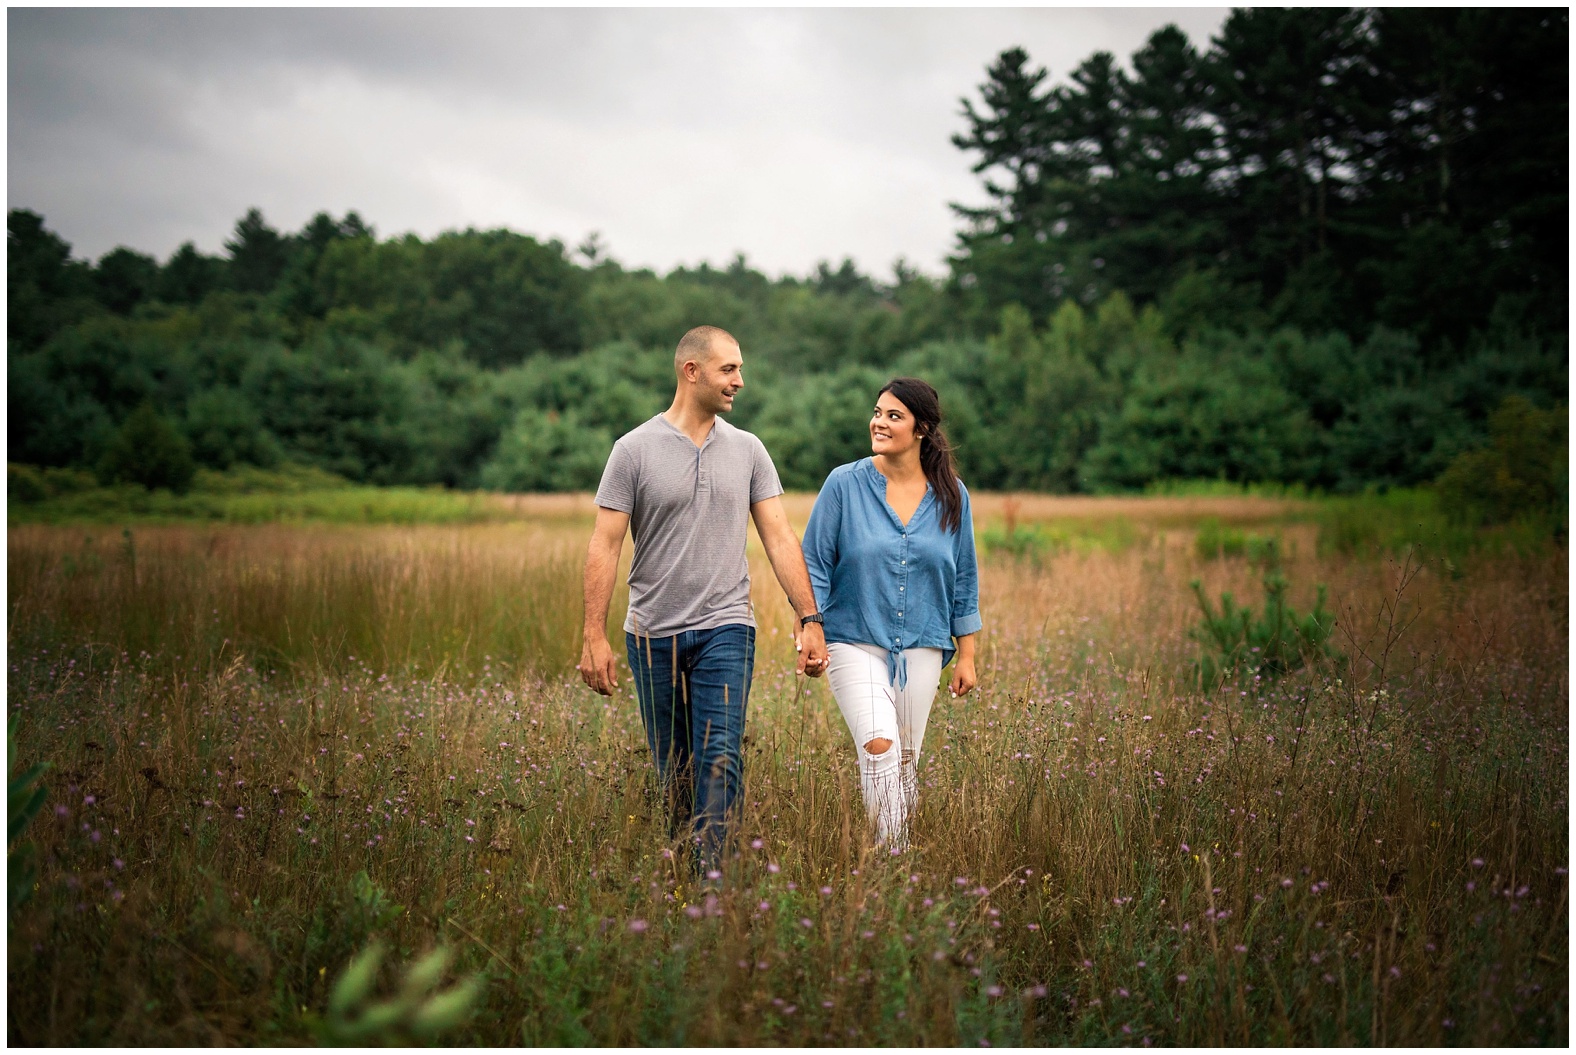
{"x": 716, "y": 424}
{"x": 878, "y": 487}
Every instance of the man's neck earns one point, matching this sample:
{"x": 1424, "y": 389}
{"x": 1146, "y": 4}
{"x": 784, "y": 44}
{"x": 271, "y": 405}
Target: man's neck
{"x": 690, "y": 420}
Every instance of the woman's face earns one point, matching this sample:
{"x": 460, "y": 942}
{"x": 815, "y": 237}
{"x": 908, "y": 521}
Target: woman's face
{"x": 892, "y": 427}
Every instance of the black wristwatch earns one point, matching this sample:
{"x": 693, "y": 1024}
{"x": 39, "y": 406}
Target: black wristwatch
{"x": 813, "y": 617}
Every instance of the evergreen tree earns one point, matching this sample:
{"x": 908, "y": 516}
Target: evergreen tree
{"x": 1402, "y": 166}
{"x": 125, "y": 278}
{"x": 189, "y": 276}
{"x": 258, "y": 254}
{"x": 45, "y": 288}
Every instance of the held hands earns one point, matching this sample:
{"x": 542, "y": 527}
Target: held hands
{"x": 963, "y": 677}
{"x": 598, "y": 669}
{"x": 597, "y": 666}
{"x": 810, "y": 645}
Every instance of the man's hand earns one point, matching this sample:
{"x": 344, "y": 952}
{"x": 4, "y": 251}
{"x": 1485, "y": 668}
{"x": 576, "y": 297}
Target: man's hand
{"x": 596, "y": 655}
{"x": 782, "y": 549}
{"x": 810, "y": 647}
{"x": 598, "y": 667}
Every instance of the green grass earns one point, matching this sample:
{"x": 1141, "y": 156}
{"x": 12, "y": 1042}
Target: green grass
{"x": 1040, "y": 541}
{"x": 240, "y": 496}
{"x": 1223, "y": 488}
{"x": 1374, "y": 523}
{"x": 1403, "y": 519}
{"x": 1363, "y": 853}
{"x": 1215, "y": 540}
{"x": 1366, "y": 525}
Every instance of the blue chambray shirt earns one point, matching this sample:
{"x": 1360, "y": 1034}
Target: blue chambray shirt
{"x": 880, "y": 583}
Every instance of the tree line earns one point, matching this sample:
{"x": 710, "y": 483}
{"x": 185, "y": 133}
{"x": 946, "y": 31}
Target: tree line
{"x": 1321, "y": 251}
{"x": 1330, "y": 169}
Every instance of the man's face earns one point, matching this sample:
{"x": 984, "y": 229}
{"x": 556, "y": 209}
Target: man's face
{"x": 719, "y": 377}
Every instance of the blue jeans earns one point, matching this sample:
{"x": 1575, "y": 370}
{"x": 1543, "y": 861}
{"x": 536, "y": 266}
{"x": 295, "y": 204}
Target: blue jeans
{"x": 693, "y": 689}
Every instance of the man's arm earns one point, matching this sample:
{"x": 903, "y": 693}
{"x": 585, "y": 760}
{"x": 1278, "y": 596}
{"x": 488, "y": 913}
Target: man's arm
{"x": 782, "y": 549}
{"x": 597, "y": 666}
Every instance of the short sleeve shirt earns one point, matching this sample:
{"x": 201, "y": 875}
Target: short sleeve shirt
{"x": 688, "y": 510}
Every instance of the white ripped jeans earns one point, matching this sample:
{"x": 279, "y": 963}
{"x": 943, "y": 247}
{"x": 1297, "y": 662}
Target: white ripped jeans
{"x": 876, "y": 709}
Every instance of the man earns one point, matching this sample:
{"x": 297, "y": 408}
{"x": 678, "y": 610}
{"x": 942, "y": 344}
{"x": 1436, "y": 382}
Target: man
{"x": 683, "y": 483}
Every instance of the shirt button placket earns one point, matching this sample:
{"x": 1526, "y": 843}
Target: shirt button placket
{"x": 902, "y": 582}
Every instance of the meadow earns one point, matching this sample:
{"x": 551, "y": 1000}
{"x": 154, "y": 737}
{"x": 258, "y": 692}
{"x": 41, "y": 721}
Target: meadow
{"x": 275, "y": 746}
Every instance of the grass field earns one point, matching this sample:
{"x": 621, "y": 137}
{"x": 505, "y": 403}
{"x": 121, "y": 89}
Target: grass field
{"x": 242, "y": 495}
{"x": 275, "y": 746}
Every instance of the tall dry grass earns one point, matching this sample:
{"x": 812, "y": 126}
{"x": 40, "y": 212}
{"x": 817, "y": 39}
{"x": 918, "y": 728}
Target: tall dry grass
{"x": 306, "y": 598}
{"x": 1365, "y": 853}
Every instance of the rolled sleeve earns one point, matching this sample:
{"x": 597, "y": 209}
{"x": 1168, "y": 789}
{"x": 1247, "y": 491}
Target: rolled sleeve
{"x": 820, "y": 540}
{"x": 966, "y": 590}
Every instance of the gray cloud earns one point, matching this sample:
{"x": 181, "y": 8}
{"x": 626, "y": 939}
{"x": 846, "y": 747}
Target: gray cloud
{"x": 793, "y": 136}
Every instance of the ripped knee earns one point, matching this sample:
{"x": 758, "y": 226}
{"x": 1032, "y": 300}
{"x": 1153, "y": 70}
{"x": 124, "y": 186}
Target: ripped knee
{"x": 879, "y": 746}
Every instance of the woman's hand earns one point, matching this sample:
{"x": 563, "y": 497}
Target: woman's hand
{"x": 963, "y": 676}
{"x": 814, "y": 661}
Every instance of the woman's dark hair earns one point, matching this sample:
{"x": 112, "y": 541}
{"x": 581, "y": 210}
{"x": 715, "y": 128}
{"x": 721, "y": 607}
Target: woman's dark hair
{"x": 935, "y": 453}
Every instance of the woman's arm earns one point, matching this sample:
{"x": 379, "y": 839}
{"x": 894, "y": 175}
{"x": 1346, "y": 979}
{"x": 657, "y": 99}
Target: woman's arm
{"x": 966, "y": 622}
{"x": 820, "y": 540}
{"x": 966, "y": 579}
{"x": 964, "y": 677}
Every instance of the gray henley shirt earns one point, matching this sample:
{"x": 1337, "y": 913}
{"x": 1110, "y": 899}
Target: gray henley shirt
{"x": 688, "y": 510}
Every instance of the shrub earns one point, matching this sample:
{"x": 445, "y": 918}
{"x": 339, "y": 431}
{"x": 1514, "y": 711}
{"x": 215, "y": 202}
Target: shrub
{"x": 148, "y": 450}
{"x": 1037, "y": 541}
{"x": 1019, "y": 543}
{"x": 1405, "y": 519}
{"x": 1389, "y": 521}
{"x": 548, "y": 451}
{"x": 284, "y": 479}
{"x": 24, "y": 483}
{"x": 1521, "y": 473}
{"x": 1034, "y": 542}
{"x": 414, "y": 1014}
{"x": 1275, "y": 643}
{"x": 29, "y": 484}
{"x": 24, "y": 798}
{"x": 1214, "y": 541}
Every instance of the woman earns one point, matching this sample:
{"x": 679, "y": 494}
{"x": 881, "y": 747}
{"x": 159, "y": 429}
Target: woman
{"x": 890, "y": 548}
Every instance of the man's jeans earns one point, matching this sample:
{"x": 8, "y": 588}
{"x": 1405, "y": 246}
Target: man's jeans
{"x": 693, "y": 689}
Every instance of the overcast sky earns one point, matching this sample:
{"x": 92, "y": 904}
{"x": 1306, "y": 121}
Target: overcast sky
{"x": 681, "y": 136}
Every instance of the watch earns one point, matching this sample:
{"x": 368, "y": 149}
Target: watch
{"x": 813, "y": 617}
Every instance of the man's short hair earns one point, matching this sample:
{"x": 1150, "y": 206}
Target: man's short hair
{"x": 698, "y": 345}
